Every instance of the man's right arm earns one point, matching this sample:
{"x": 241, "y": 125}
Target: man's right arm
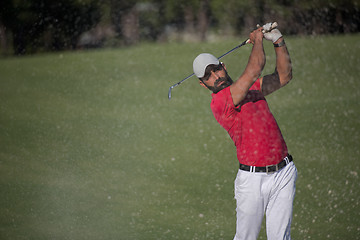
{"x": 252, "y": 72}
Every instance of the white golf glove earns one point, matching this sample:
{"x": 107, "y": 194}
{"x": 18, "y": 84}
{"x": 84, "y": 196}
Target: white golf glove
{"x": 273, "y": 35}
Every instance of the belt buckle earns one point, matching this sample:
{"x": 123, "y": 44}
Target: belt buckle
{"x": 269, "y": 166}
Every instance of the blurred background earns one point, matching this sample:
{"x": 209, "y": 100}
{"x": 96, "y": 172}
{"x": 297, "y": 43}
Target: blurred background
{"x": 27, "y": 27}
{"x": 91, "y": 147}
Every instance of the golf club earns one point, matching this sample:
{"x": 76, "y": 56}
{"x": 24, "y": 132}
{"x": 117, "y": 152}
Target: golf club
{"x": 274, "y": 25}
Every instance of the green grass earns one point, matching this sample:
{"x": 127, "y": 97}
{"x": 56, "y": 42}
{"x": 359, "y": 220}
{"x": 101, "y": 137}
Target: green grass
{"x": 91, "y": 148}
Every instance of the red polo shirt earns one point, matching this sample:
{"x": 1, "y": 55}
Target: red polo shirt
{"x": 251, "y": 126}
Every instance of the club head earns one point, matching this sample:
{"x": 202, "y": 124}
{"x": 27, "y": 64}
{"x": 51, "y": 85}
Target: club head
{"x": 169, "y": 94}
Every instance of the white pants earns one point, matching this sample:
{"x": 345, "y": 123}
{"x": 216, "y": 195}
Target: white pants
{"x": 272, "y": 194}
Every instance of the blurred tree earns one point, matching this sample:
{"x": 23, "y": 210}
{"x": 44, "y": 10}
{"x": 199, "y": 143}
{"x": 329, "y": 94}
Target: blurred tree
{"x": 232, "y": 16}
{"x": 190, "y": 17}
{"x": 125, "y": 18}
{"x": 151, "y": 20}
{"x": 55, "y": 25}
{"x": 6, "y": 14}
{"x": 203, "y": 18}
{"x": 49, "y": 24}
{"x": 325, "y": 16}
{"x": 64, "y": 21}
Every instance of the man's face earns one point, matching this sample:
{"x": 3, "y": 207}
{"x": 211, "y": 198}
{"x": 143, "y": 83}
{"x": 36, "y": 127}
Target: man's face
{"x": 216, "y": 78}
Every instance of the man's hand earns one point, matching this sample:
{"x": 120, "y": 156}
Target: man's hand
{"x": 256, "y": 35}
{"x": 273, "y": 35}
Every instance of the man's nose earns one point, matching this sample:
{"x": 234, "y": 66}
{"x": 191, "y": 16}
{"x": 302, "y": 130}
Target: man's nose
{"x": 215, "y": 74}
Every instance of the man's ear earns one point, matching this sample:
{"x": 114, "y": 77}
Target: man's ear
{"x": 202, "y": 84}
{"x": 223, "y": 64}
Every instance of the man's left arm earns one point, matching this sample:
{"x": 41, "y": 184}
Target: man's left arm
{"x": 283, "y": 70}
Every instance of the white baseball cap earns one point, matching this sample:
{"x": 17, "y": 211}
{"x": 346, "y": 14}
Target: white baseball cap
{"x": 202, "y": 61}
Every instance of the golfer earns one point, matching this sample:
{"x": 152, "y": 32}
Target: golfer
{"x": 265, "y": 182}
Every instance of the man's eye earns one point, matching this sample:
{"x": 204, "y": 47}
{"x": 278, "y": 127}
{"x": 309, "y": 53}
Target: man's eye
{"x": 206, "y": 77}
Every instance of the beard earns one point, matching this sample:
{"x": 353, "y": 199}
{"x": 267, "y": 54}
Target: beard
{"x": 221, "y": 83}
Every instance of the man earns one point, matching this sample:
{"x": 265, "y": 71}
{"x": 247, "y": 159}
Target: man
{"x": 265, "y": 182}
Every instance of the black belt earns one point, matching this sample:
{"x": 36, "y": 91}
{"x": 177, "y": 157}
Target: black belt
{"x": 269, "y": 168}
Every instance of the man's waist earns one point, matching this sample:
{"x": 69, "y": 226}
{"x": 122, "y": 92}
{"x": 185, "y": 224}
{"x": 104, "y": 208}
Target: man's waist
{"x": 267, "y": 168}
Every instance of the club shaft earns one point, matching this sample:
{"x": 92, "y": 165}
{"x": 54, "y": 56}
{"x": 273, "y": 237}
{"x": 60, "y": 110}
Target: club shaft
{"x": 242, "y": 44}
